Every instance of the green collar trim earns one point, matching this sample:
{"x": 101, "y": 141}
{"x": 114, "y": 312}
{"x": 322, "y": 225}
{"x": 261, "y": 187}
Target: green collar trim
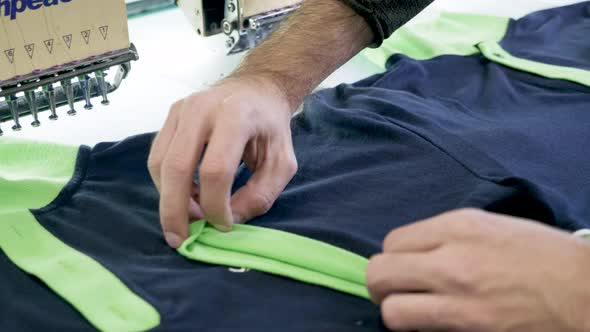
{"x": 279, "y": 253}
{"x": 494, "y": 52}
{"x": 31, "y": 176}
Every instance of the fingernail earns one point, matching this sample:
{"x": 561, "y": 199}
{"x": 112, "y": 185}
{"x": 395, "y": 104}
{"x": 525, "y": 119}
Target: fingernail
{"x": 195, "y": 211}
{"x": 223, "y": 228}
{"x": 173, "y": 240}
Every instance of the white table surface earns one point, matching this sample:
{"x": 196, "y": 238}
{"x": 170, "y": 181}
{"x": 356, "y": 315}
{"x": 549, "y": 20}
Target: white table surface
{"x": 174, "y": 62}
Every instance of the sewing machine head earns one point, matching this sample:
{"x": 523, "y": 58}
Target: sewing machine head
{"x": 245, "y": 22}
{"x": 55, "y": 53}
{"x": 58, "y": 52}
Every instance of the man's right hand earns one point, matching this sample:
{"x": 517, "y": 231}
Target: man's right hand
{"x": 240, "y": 119}
{"x": 246, "y": 117}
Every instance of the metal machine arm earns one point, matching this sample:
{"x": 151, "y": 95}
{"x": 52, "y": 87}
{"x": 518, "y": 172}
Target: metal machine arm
{"x": 245, "y": 22}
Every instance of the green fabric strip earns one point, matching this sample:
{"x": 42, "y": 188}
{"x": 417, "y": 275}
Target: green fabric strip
{"x": 583, "y": 234}
{"x": 279, "y": 253}
{"x": 494, "y": 52}
{"x": 31, "y": 176}
{"x": 449, "y": 34}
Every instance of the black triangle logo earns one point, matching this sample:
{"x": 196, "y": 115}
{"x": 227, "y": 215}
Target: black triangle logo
{"x": 86, "y": 36}
{"x": 104, "y": 31}
{"x": 10, "y": 55}
{"x": 49, "y": 45}
{"x": 68, "y": 40}
{"x": 30, "y": 50}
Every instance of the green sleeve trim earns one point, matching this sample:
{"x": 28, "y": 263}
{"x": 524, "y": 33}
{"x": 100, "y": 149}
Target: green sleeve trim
{"x": 31, "y": 176}
{"x": 494, "y": 52}
{"x": 462, "y": 35}
{"x": 449, "y": 34}
{"x": 279, "y": 253}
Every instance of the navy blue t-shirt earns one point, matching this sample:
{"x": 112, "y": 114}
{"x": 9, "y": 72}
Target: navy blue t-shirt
{"x": 422, "y": 138}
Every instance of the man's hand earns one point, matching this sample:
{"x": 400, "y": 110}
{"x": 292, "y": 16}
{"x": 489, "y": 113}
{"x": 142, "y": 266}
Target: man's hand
{"x": 240, "y": 119}
{"x": 246, "y": 117}
{"x": 480, "y": 272}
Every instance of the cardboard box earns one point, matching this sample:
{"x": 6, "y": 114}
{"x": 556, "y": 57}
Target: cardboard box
{"x": 40, "y": 34}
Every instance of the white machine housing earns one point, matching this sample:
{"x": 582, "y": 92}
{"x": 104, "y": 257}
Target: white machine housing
{"x": 245, "y": 22}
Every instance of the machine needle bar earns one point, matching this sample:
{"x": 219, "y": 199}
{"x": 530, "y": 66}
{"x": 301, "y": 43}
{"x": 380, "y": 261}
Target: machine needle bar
{"x": 50, "y": 94}
{"x": 69, "y": 90}
{"x": 102, "y": 85}
{"x": 85, "y": 85}
{"x": 13, "y": 104}
{"x": 33, "y": 107}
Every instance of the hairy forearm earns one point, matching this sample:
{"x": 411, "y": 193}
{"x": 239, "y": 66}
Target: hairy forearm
{"x": 316, "y": 40}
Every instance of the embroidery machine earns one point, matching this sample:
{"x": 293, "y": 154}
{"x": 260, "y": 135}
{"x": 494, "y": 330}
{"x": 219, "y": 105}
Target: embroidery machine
{"x": 56, "y": 53}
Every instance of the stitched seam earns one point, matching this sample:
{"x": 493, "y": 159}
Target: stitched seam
{"x": 73, "y": 184}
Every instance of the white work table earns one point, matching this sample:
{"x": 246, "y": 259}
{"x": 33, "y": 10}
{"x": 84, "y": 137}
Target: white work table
{"x": 175, "y": 62}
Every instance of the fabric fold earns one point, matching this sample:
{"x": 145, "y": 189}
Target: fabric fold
{"x": 279, "y": 253}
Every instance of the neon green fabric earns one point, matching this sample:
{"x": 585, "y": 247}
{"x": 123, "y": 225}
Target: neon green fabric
{"x": 31, "y": 176}
{"x": 494, "y": 52}
{"x": 279, "y": 253}
{"x": 450, "y": 34}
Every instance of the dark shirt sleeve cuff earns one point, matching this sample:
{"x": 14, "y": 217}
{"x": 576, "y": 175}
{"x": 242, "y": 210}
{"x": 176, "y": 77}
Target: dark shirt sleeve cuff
{"x": 386, "y": 16}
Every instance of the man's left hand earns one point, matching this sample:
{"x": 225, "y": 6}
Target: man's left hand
{"x": 470, "y": 270}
